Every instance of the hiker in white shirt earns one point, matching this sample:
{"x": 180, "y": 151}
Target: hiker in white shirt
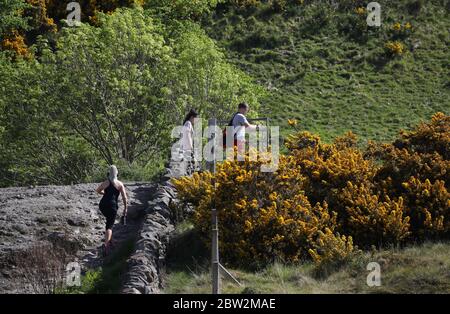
{"x": 188, "y": 136}
{"x": 240, "y": 124}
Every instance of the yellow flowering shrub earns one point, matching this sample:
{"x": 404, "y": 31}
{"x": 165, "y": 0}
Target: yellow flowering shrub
{"x": 429, "y": 207}
{"x": 395, "y": 48}
{"x": 401, "y": 31}
{"x": 263, "y": 216}
{"x": 16, "y": 42}
{"x": 416, "y": 167}
{"x": 360, "y": 11}
{"x": 372, "y": 220}
{"x": 324, "y": 198}
{"x": 330, "y": 248}
{"x": 328, "y": 168}
{"x": 433, "y": 137}
{"x": 397, "y": 26}
{"x": 41, "y": 18}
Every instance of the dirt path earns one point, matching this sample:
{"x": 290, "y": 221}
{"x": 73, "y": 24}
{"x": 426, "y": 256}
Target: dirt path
{"x": 35, "y": 214}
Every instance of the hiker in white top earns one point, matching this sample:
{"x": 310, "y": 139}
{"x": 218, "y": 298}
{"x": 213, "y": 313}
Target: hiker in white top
{"x": 187, "y": 139}
{"x": 240, "y": 124}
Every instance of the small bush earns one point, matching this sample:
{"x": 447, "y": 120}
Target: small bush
{"x": 394, "y": 48}
{"x": 330, "y": 251}
{"x": 400, "y": 31}
{"x": 42, "y": 267}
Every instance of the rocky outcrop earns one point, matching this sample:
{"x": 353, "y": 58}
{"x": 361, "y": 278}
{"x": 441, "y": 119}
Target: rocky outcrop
{"x": 69, "y": 217}
{"x": 52, "y": 214}
{"x": 64, "y": 216}
{"x": 146, "y": 264}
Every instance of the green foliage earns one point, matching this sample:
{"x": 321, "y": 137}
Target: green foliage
{"x": 111, "y": 94}
{"x": 334, "y": 76}
{"x": 35, "y": 148}
{"x": 138, "y": 77}
{"x": 204, "y": 79}
{"x": 109, "y": 83}
{"x": 11, "y": 15}
{"x": 181, "y": 9}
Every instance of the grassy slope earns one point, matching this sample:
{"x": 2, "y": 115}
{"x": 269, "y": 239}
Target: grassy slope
{"x": 332, "y": 83}
{"x": 417, "y": 269}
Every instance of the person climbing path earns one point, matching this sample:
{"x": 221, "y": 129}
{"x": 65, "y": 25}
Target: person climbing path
{"x": 111, "y": 189}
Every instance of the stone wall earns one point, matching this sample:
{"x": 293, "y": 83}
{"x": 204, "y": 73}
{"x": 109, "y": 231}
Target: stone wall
{"x": 146, "y": 264}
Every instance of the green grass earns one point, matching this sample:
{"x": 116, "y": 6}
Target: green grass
{"x": 332, "y": 82}
{"x": 421, "y": 268}
{"x": 108, "y": 278}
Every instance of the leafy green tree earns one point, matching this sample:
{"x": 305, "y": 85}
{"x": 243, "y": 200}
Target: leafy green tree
{"x": 11, "y": 15}
{"x": 204, "y": 79}
{"x": 35, "y": 148}
{"x": 110, "y": 94}
{"x": 124, "y": 85}
{"x": 110, "y": 85}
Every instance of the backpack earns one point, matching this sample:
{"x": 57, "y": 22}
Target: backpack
{"x": 224, "y": 133}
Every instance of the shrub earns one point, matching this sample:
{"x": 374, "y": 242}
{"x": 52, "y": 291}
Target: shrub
{"x": 331, "y": 250}
{"x": 16, "y": 42}
{"x": 401, "y": 31}
{"x": 325, "y": 197}
{"x": 42, "y": 267}
{"x": 328, "y": 168}
{"x": 429, "y": 208}
{"x": 423, "y": 153}
{"x": 394, "y": 48}
{"x": 264, "y": 216}
{"x": 416, "y": 168}
{"x": 373, "y": 218}
{"x": 433, "y": 137}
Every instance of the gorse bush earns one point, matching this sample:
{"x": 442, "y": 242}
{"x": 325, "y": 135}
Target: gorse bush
{"x": 373, "y": 218}
{"x": 394, "y": 48}
{"x": 326, "y": 198}
{"x": 264, "y": 216}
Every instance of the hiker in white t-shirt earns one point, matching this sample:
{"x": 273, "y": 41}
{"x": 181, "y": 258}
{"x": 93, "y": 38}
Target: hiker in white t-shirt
{"x": 241, "y": 124}
{"x": 188, "y": 137}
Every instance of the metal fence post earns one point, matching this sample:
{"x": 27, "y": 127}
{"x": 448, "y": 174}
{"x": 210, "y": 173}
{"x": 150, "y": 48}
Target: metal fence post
{"x": 215, "y": 264}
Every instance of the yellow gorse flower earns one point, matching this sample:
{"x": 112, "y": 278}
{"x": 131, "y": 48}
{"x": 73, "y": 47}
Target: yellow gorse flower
{"x": 292, "y": 122}
{"x": 397, "y": 26}
{"x": 360, "y": 10}
{"x": 395, "y": 47}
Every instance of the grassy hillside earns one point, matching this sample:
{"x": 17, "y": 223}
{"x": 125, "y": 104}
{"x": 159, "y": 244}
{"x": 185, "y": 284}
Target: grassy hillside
{"x": 415, "y": 269}
{"x": 327, "y": 68}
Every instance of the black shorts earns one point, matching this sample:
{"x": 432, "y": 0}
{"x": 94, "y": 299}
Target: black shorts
{"x": 110, "y": 213}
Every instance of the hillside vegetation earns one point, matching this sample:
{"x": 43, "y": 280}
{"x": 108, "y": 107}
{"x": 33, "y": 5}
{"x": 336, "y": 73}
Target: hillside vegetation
{"x": 415, "y": 269}
{"x": 75, "y": 99}
{"x": 324, "y": 66}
